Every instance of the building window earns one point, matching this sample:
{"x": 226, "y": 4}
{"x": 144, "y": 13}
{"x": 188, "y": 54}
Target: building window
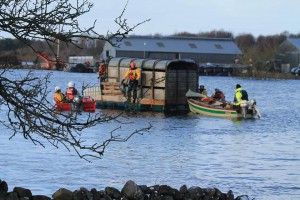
{"x": 127, "y": 43}
{"x": 160, "y": 44}
{"x": 192, "y": 45}
{"x": 218, "y": 46}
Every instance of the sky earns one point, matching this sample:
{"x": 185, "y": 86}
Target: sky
{"x": 257, "y": 17}
{"x": 167, "y": 17}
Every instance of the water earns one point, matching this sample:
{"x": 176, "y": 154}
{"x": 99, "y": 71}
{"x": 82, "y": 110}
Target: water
{"x": 259, "y": 158}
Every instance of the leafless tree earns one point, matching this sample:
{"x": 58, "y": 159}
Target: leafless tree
{"x": 26, "y": 99}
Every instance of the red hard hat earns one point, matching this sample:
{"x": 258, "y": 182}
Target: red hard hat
{"x": 132, "y": 64}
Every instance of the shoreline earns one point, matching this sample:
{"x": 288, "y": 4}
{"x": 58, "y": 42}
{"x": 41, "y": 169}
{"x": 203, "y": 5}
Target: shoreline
{"x": 130, "y": 191}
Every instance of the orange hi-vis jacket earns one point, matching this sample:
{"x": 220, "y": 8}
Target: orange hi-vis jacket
{"x": 102, "y": 70}
{"x": 58, "y": 97}
{"x": 71, "y": 92}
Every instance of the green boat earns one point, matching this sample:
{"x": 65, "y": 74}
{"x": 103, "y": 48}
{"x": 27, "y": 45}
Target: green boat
{"x": 209, "y": 107}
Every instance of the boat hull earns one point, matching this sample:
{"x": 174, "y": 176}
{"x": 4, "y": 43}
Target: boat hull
{"x": 88, "y": 105}
{"x": 204, "y": 108}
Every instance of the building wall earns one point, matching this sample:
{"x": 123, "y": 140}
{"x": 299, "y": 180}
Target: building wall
{"x": 108, "y": 52}
{"x": 288, "y": 54}
{"x": 212, "y": 58}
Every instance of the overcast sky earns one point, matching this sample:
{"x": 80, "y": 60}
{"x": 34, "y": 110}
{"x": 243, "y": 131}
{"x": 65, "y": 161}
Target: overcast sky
{"x": 258, "y": 17}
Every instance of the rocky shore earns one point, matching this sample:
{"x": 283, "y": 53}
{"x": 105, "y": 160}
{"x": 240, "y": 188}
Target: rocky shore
{"x": 130, "y": 191}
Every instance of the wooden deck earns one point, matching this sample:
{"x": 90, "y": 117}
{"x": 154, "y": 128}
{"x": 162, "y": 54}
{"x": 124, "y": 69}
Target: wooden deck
{"x": 111, "y": 93}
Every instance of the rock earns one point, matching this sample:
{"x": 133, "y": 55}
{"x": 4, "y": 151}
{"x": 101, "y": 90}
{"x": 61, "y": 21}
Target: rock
{"x": 132, "y": 191}
{"x": 40, "y": 197}
{"x": 12, "y": 196}
{"x": 79, "y": 195}
{"x": 208, "y": 193}
{"x": 145, "y": 189}
{"x": 3, "y": 187}
{"x": 113, "y": 193}
{"x": 217, "y": 194}
{"x": 167, "y": 197}
{"x": 62, "y": 194}
{"x": 178, "y": 195}
{"x": 183, "y": 190}
{"x": 88, "y": 194}
{"x": 96, "y": 194}
{"x": 23, "y": 192}
{"x": 196, "y": 192}
{"x": 230, "y": 195}
{"x": 166, "y": 190}
{"x": 154, "y": 196}
{"x": 242, "y": 197}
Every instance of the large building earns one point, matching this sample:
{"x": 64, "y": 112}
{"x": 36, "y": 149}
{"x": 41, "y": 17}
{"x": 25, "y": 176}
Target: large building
{"x": 288, "y": 53}
{"x": 201, "y": 50}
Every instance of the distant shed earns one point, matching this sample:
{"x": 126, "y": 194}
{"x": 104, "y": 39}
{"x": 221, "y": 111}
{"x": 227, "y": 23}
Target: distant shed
{"x": 201, "y": 50}
{"x": 288, "y": 53}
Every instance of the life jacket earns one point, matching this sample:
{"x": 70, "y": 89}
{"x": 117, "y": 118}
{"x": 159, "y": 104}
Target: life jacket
{"x": 244, "y": 96}
{"x": 71, "y": 92}
{"x": 58, "y": 97}
{"x": 101, "y": 71}
{"x": 207, "y": 99}
{"x": 132, "y": 74}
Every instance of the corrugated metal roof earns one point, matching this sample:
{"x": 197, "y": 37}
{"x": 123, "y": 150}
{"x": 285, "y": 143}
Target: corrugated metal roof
{"x": 295, "y": 42}
{"x": 178, "y": 45}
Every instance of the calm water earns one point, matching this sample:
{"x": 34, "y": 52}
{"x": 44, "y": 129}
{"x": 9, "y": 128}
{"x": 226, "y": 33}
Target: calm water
{"x": 260, "y": 158}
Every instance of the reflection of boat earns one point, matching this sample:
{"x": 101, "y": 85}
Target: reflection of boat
{"x": 86, "y": 104}
{"x": 207, "y": 106}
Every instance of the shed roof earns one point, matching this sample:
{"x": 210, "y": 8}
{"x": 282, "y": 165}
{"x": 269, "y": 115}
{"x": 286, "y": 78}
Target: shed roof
{"x": 295, "y": 42}
{"x": 178, "y": 45}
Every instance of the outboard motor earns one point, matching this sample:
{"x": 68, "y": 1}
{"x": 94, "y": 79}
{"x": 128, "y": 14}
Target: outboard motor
{"x": 77, "y": 103}
{"x": 252, "y": 105}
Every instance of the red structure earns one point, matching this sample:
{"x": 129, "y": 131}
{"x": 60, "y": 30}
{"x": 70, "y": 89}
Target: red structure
{"x": 51, "y": 63}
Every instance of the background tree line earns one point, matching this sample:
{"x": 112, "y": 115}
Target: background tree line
{"x": 14, "y": 51}
{"x": 256, "y": 50}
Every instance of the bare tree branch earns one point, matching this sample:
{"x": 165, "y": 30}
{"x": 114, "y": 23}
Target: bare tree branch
{"x": 26, "y": 99}
{"x": 30, "y": 113}
{"x": 54, "y": 20}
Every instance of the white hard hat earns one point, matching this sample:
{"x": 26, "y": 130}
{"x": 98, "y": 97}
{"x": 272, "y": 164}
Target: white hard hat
{"x": 71, "y": 84}
{"x": 57, "y": 88}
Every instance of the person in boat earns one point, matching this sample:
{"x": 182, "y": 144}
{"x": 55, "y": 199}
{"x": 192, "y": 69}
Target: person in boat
{"x": 218, "y": 95}
{"x": 133, "y": 74}
{"x": 102, "y": 75}
{"x": 202, "y": 90}
{"x": 240, "y": 95}
{"x": 71, "y": 91}
{"x": 59, "y": 97}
